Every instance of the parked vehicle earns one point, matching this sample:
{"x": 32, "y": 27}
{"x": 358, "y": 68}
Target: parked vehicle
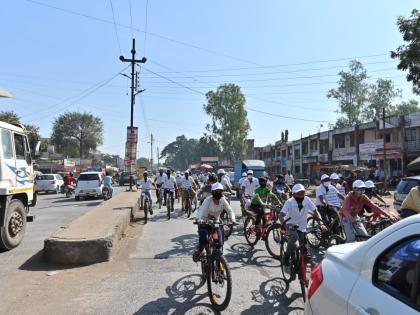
{"x": 125, "y": 178}
{"x": 89, "y": 184}
{"x": 403, "y": 188}
{"x": 17, "y": 190}
{"x": 257, "y": 166}
{"x": 49, "y": 183}
{"x": 378, "y": 276}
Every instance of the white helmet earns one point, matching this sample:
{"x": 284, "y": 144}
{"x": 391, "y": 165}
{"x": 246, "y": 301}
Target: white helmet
{"x": 334, "y": 176}
{"x": 216, "y": 186}
{"x": 369, "y": 184}
{"x": 243, "y": 174}
{"x": 221, "y": 172}
{"x": 324, "y": 177}
{"x": 250, "y": 172}
{"x": 297, "y": 188}
{"x": 357, "y": 184}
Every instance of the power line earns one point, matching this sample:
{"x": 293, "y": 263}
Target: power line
{"x": 145, "y": 27}
{"x": 115, "y": 27}
{"x": 287, "y": 117}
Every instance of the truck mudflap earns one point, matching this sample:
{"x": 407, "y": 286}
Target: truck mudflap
{"x": 30, "y": 217}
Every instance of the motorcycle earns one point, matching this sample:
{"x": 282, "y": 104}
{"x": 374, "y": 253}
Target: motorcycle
{"x": 68, "y": 191}
{"x": 106, "y": 193}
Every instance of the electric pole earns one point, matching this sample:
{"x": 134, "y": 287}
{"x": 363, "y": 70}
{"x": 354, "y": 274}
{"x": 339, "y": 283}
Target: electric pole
{"x": 151, "y": 151}
{"x": 158, "y": 164}
{"x": 384, "y": 136}
{"x": 133, "y": 78}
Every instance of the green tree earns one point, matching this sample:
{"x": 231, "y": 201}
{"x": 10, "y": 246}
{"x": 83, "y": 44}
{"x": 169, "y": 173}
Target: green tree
{"x": 32, "y": 131}
{"x": 381, "y": 95}
{"x": 207, "y": 146}
{"x": 409, "y": 54}
{"x": 180, "y": 153}
{"x": 110, "y": 159}
{"x": 143, "y": 162}
{"x": 351, "y": 94}
{"x": 408, "y": 107}
{"x": 82, "y": 131}
{"x": 230, "y": 126}
{"x": 286, "y": 136}
{"x": 282, "y": 137}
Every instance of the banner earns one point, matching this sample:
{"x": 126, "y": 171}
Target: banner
{"x": 132, "y": 134}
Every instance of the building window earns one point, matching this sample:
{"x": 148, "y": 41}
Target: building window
{"x": 387, "y": 137}
{"x": 339, "y": 141}
{"x": 314, "y": 145}
{"x": 323, "y": 146}
{"x": 411, "y": 135}
{"x": 361, "y": 138}
{"x": 297, "y": 154}
{"x": 351, "y": 136}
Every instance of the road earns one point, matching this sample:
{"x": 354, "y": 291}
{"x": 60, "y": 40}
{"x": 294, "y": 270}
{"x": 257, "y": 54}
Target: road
{"x": 153, "y": 272}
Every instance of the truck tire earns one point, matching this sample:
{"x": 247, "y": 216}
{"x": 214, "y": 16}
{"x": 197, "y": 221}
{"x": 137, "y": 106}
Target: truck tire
{"x": 13, "y": 230}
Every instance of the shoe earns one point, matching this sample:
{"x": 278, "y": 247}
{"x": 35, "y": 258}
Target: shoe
{"x": 151, "y": 211}
{"x": 197, "y": 254}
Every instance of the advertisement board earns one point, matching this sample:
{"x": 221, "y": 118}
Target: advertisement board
{"x": 132, "y": 134}
{"x": 130, "y": 150}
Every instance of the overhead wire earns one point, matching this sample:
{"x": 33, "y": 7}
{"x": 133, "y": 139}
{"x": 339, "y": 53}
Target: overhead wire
{"x": 115, "y": 27}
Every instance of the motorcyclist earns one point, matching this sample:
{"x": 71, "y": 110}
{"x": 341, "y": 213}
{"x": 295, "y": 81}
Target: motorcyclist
{"x": 107, "y": 182}
{"x": 69, "y": 181}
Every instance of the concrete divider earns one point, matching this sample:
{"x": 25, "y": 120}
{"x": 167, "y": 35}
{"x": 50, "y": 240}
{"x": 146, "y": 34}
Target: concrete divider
{"x": 92, "y": 237}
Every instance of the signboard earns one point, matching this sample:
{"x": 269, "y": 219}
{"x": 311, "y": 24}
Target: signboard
{"x": 69, "y": 163}
{"x": 130, "y": 150}
{"x": 311, "y": 159}
{"x": 323, "y": 157}
{"x": 129, "y": 162}
{"x": 132, "y": 134}
{"x": 206, "y": 159}
{"x": 343, "y": 130}
{"x": 368, "y": 148}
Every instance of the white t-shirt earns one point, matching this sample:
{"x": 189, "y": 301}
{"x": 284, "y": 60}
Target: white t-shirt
{"x": 145, "y": 185}
{"x": 241, "y": 180}
{"x": 169, "y": 183}
{"x": 330, "y": 197}
{"x": 289, "y": 179}
{"x": 187, "y": 183}
{"x": 209, "y": 210}
{"x": 340, "y": 189}
{"x": 250, "y": 186}
{"x": 160, "y": 179}
{"x": 296, "y": 216}
{"x": 225, "y": 181}
{"x": 178, "y": 179}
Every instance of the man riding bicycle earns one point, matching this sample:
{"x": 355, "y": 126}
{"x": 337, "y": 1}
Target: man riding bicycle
{"x": 327, "y": 196}
{"x": 169, "y": 187}
{"x": 146, "y": 185}
{"x": 280, "y": 188}
{"x": 248, "y": 187}
{"x": 353, "y": 204}
{"x": 205, "y": 191}
{"x": 295, "y": 212}
{"x": 262, "y": 196}
{"x": 178, "y": 180}
{"x": 211, "y": 209}
{"x": 188, "y": 189}
{"x": 159, "y": 180}
{"x": 335, "y": 182}
{"x": 224, "y": 180}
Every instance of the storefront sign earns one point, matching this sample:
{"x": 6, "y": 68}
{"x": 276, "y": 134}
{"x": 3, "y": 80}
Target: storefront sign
{"x": 367, "y": 148}
{"x": 310, "y": 159}
{"x": 69, "y": 163}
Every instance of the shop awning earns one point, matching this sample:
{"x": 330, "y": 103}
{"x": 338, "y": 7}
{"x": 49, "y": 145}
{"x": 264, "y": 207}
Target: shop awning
{"x": 414, "y": 165}
{"x": 4, "y": 93}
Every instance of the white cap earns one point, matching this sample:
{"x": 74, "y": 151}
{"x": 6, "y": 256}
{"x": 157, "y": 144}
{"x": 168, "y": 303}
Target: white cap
{"x": 221, "y": 171}
{"x": 177, "y": 172}
{"x": 297, "y": 187}
{"x": 340, "y": 175}
{"x": 359, "y": 184}
{"x": 369, "y": 184}
{"x": 250, "y": 172}
{"x": 324, "y": 177}
{"x": 187, "y": 172}
{"x": 243, "y": 174}
{"x": 216, "y": 186}
{"x": 334, "y": 176}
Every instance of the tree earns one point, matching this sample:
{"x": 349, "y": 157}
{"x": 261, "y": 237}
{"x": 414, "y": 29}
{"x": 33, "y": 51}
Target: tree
{"x": 351, "y": 94}
{"x": 282, "y": 137}
{"x": 404, "y": 108}
{"x": 207, "y": 146}
{"x": 230, "y": 126}
{"x": 180, "y": 153}
{"x": 110, "y": 159}
{"x": 81, "y": 131}
{"x": 381, "y": 95}
{"x": 143, "y": 162}
{"x": 409, "y": 54}
{"x": 286, "y": 136}
{"x": 32, "y": 131}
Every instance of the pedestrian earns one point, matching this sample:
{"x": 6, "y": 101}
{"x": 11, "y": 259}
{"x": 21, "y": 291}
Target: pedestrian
{"x": 289, "y": 179}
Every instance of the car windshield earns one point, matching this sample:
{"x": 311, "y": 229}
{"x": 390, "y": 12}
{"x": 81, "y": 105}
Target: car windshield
{"x": 45, "y": 177}
{"x": 83, "y": 177}
{"x": 405, "y": 185}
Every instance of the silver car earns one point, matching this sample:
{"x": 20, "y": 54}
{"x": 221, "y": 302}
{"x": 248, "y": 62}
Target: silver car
{"x": 403, "y": 188}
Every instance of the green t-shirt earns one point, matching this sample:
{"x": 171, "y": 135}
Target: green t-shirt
{"x": 263, "y": 195}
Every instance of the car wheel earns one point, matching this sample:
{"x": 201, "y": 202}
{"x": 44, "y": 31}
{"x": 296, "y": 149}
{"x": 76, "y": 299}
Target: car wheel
{"x": 11, "y": 234}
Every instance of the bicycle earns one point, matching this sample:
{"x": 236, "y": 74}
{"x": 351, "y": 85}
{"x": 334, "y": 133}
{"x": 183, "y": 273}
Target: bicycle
{"x": 319, "y": 232}
{"x": 215, "y": 269}
{"x": 159, "y": 196}
{"x": 297, "y": 263}
{"x": 188, "y": 206}
{"x": 147, "y": 205}
{"x": 170, "y": 202}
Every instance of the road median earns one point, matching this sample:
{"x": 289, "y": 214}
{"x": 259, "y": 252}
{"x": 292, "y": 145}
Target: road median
{"x": 92, "y": 238}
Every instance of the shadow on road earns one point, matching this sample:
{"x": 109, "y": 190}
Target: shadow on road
{"x": 184, "y": 246}
{"x": 37, "y": 263}
{"x": 182, "y": 298}
{"x": 271, "y": 299}
{"x": 244, "y": 255}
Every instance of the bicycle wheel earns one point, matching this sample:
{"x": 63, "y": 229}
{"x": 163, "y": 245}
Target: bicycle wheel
{"x": 226, "y": 228}
{"x": 146, "y": 210}
{"x": 313, "y": 232}
{"x": 335, "y": 240}
{"x": 188, "y": 207}
{"x": 250, "y": 232}
{"x": 219, "y": 283}
{"x": 273, "y": 240}
{"x": 302, "y": 286}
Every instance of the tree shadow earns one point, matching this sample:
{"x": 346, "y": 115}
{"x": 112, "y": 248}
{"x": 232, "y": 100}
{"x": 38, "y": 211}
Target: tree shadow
{"x": 184, "y": 246}
{"x": 271, "y": 299}
{"x": 182, "y": 298}
{"x": 245, "y": 255}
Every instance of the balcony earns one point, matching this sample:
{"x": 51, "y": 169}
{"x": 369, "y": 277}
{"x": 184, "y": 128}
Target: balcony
{"x": 413, "y": 145}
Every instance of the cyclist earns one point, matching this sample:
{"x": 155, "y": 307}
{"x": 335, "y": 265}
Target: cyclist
{"x": 205, "y": 191}
{"x": 159, "y": 182}
{"x": 248, "y": 187}
{"x": 146, "y": 185}
{"x": 371, "y": 191}
{"x": 241, "y": 180}
{"x": 279, "y": 186}
{"x": 335, "y": 182}
{"x": 411, "y": 203}
{"x": 169, "y": 186}
{"x": 326, "y": 196}
{"x": 295, "y": 212}
{"x": 188, "y": 188}
{"x": 353, "y": 204}
{"x": 211, "y": 209}
{"x": 262, "y": 196}
{"x": 224, "y": 180}
{"x": 178, "y": 180}
{"x": 343, "y": 183}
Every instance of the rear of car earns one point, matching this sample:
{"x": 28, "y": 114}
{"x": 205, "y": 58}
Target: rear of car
{"x": 125, "y": 178}
{"x": 403, "y": 188}
{"x": 89, "y": 184}
{"x": 48, "y": 183}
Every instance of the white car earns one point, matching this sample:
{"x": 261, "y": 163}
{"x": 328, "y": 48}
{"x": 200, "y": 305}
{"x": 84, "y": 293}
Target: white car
{"x": 89, "y": 184}
{"x": 49, "y": 183}
{"x": 378, "y": 276}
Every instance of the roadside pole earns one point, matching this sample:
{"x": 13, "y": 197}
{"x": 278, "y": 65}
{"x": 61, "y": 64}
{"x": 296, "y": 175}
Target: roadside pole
{"x": 384, "y": 138}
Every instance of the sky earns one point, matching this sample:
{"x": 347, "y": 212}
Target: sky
{"x": 59, "y": 56}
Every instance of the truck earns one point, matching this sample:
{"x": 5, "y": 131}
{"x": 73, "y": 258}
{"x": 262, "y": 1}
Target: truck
{"x": 257, "y": 166}
{"x": 17, "y": 190}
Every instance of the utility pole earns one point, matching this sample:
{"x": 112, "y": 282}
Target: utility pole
{"x": 157, "y": 149}
{"x": 384, "y": 138}
{"x": 151, "y": 151}
{"x": 133, "y": 78}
